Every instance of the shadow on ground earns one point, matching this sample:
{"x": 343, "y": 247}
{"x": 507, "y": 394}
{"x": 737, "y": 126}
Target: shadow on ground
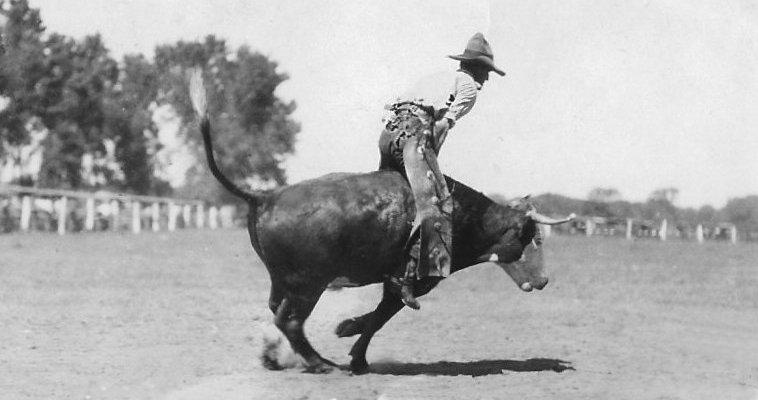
{"x": 472, "y": 368}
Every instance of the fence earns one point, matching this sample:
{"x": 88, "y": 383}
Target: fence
{"x": 634, "y": 229}
{"x": 26, "y": 209}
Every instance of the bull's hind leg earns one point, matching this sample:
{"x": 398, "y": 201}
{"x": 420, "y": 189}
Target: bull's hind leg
{"x": 269, "y": 356}
{"x": 275, "y": 297}
{"x": 388, "y": 307}
{"x": 290, "y": 318}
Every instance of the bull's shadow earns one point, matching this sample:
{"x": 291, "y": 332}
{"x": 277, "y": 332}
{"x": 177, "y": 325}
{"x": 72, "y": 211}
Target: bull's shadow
{"x": 471, "y": 368}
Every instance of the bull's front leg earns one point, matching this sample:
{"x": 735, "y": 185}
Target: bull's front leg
{"x": 353, "y": 326}
{"x": 369, "y": 324}
{"x": 356, "y": 325}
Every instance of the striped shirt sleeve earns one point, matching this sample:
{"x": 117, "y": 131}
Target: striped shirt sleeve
{"x": 462, "y": 98}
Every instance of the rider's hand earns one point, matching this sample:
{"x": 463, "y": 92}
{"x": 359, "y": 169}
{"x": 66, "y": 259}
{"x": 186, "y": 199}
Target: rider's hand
{"x": 441, "y": 128}
{"x": 442, "y": 125}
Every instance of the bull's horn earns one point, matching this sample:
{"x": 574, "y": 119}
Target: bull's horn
{"x": 541, "y": 219}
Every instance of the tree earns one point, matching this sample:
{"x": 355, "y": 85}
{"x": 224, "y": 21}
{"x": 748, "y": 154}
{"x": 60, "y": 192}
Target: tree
{"x": 82, "y": 75}
{"x": 59, "y": 82}
{"x": 129, "y": 112}
{"x": 90, "y": 105}
{"x": 263, "y": 116}
{"x": 255, "y": 129}
{"x": 707, "y": 214}
{"x": 599, "y": 202}
{"x": 667, "y": 194}
{"x": 556, "y": 204}
{"x": 21, "y": 69}
{"x": 660, "y": 204}
{"x": 604, "y": 195}
{"x": 743, "y": 213}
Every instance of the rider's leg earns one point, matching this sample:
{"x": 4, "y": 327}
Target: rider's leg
{"x": 433, "y": 207}
{"x": 432, "y": 233}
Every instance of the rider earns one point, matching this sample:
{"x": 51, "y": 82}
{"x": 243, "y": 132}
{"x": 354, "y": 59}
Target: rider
{"x": 415, "y": 129}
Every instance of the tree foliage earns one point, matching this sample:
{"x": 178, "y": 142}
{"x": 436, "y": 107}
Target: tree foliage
{"x": 604, "y": 195}
{"x": 22, "y": 67}
{"x": 130, "y": 124}
{"x": 86, "y": 99}
{"x": 81, "y": 77}
{"x": 743, "y": 212}
{"x": 254, "y": 130}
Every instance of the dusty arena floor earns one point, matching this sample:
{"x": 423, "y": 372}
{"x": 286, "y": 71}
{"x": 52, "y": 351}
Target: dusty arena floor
{"x": 183, "y": 316}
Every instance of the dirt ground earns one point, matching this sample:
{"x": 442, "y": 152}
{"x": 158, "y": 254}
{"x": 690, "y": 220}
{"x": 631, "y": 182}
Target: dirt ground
{"x": 183, "y": 316}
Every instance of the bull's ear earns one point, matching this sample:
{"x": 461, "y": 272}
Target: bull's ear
{"x": 519, "y": 201}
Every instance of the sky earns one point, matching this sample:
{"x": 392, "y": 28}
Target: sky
{"x": 625, "y": 94}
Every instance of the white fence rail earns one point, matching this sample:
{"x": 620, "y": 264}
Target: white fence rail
{"x": 638, "y": 229}
{"x": 26, "y": 209}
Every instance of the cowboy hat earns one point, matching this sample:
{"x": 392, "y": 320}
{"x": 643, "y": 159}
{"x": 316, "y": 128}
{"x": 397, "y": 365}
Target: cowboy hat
{"x": 477, "y": 49}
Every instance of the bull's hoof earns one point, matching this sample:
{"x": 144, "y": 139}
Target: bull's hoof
{"x": 359, "y": 366}
{"x": 270, "y": 363}
{"x": 349, "y": 327}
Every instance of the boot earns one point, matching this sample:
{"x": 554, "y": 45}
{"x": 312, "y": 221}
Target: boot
{"x": 406, "y": 285}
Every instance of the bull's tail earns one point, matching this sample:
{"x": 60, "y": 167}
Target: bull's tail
{"x": 200, "y": 104}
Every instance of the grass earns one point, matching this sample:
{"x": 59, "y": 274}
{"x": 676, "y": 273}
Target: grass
{"x": 122, "y": 316}
{"x": 674, "y": 272}
{"x": 115, "y": 313}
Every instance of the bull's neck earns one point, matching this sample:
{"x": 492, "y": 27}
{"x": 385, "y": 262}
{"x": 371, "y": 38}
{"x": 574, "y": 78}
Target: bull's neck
{"x": 478, "y": 225}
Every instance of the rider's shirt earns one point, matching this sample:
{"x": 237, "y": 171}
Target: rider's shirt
{"x": 450, "y": 100}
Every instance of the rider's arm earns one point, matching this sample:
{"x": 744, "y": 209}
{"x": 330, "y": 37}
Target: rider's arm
{"x": 464, "y": 98}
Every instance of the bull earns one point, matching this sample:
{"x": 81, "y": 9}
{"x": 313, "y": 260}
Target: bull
{"x": 353, "y": 227}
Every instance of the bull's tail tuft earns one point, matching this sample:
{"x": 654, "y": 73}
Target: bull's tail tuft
{"x": 197, "y": 92}
{"x": 200, "y": 104}
{"x": 276, "y": 353}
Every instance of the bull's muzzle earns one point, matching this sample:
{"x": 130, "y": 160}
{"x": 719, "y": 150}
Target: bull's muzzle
{"x": 539, "y": 285}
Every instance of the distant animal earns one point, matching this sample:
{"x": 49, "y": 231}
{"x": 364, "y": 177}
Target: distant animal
{"x": 354, "y": 227}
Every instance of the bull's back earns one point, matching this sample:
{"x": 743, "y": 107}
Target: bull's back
{"x": 352, "y": 225}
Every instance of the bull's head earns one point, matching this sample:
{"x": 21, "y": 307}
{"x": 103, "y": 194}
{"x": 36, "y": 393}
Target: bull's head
{"x": 519, "y": 249}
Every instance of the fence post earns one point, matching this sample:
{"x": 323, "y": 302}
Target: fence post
{"x": 156, "y": 217}
{"x": 62, "y": 211}
{"x": 546, "y": 231}
{"x": 115, "y": 214}
{"x": 186, "y": 213}
{"x": 733, "y": 234}
{"x": 628, "y": 229}
{"x": 213, "y": 217}
{"x": 136, "y": 217}
{"x": 92, "y": 206}
{"x": 89, "y": 219}
{"x": 200, "y": 216}
{"x": 699, "y": 233}
{"x": 172, "y": 213}
{"x": 589, "y": 226}
{"x": 26, "y": 213}
{"x": 664, "y": 228}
